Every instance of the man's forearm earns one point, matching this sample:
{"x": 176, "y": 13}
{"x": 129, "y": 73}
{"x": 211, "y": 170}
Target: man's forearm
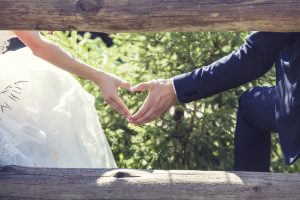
{"x": 251, "y": 61}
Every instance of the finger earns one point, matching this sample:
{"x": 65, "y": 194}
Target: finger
{"x": 147, "y": 105}
{"x": 142, "y": 87}
{"x": 126, "y": 86}
{"x": 121, "y": 106}
{"x": 151, "y": 114}
{"x": 150, "y": 119}
{"x": 118, "y": 107}
{"x": 115, "y": 107}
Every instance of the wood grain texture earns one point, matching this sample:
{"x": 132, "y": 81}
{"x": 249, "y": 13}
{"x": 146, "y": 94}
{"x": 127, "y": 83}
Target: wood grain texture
{"x": 151, "y": 15}
{"x": 41, "y": 183}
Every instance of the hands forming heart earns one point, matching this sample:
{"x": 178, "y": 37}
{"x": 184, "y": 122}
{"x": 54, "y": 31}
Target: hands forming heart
{"x": 161, "y": 96}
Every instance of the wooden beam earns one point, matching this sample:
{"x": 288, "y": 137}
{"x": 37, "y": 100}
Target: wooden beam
{"x": 42, "y": 183}
{"x": 150, "y": 15}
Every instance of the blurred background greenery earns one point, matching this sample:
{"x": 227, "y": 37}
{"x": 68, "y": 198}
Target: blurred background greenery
{"x": 197, "y": 135}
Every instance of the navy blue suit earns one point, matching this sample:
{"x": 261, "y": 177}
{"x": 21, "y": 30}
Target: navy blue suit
{"x": 259, "y": 53}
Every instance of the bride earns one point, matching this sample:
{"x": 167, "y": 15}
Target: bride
{"x": 46, "y": 118}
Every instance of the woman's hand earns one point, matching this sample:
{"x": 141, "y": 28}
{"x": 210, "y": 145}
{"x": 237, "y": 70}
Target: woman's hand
{"x": 109, "y": 84}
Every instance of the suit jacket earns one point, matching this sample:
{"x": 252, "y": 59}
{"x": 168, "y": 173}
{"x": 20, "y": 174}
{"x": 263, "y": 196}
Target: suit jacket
{"x": 258, "y": 54}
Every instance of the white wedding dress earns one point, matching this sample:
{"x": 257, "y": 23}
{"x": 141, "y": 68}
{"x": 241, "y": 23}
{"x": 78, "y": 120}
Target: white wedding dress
{"x": 46, "y": 118}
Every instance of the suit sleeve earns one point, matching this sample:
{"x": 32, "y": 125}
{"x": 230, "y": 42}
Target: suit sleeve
{"x": 254, "y": 58}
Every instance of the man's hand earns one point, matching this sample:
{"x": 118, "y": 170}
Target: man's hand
{"x": 160, "y": 98}
{"x": 109, "y": 84}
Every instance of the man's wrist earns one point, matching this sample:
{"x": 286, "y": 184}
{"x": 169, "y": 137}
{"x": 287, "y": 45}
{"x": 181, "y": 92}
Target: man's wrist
{"x": 172, "y": 88}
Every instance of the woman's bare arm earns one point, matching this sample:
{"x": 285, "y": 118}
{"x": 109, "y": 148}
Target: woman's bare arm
{"x": 53, "y": 54}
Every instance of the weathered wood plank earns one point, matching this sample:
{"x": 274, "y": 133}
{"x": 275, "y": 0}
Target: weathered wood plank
{"x": 151, "y": 15}
{"x": 41, "y": 183}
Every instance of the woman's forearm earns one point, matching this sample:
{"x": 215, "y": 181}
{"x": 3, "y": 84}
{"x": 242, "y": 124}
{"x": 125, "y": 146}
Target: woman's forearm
{"x": 65, "y": 61}
{"x": 50, "y": 52}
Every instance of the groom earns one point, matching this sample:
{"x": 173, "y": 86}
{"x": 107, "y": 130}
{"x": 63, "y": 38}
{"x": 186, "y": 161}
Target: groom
{"x": 262, "y": 110}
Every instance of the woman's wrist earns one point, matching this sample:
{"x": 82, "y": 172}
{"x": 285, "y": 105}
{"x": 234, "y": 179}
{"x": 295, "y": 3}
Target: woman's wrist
{"x": 97, "y": 76}
{"x": 88, "y": 72}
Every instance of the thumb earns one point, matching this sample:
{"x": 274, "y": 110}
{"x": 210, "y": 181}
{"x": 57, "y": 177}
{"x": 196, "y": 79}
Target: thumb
{"x": 126, "y": 86}
{"x": 142, "y": 87}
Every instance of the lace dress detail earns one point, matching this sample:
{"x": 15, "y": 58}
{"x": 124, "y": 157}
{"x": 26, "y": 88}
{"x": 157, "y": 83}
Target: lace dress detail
{"x": 8, "y": 151}
{"x": 8, "y": 143}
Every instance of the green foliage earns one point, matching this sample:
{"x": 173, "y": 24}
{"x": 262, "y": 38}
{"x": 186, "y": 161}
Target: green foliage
{"x": 198, "y": 135}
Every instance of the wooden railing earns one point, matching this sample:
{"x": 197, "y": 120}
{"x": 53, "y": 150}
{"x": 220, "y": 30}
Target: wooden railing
{"x": 42, "y": 183}
{"x": 147, "y": 16}
{"x": 150, "y": 15}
